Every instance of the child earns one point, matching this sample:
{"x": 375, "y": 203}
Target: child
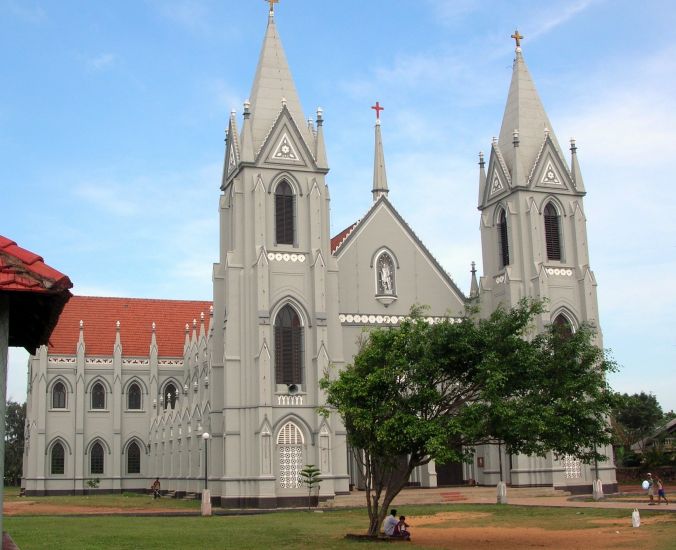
{"x": 401, "y": 529}
{"x": 660, "y": 491}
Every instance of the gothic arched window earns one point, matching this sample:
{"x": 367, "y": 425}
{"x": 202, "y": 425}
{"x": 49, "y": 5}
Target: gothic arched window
{"x": 133, "y": 458}
{"x": 58, "y": 462}
{"x": 290, "y": 448}
{"x": 169, "y": 396}
{"x": 59, "y": 396}
{"x": 98, "y": 396}
{"x": 288, "y": 347}
{"x": 385, "y": 275}
{"x": 134, "y": 397}
{"x": 503, "y": 238}
{"x": 563, "y": 326}
{"x": 96, "y": 459}
{"x": 285, "y": 220}
{"x": 552, "y": 233}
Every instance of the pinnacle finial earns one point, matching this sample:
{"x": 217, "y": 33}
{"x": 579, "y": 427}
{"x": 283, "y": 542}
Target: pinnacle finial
{"x": 117, "y": 325}
{"x": 154, "y": 326}
{"x": 377, "y": 108}
{"x": 272, "y": 6}
{"x": 473, "y": 270}
{"x": 481, "y": 159}
{"x": 517, "y": 38}
{"x": 81, "y": 324}
{"x": 573, "y": 146}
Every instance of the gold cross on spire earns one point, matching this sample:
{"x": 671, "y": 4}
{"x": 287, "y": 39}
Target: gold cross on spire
{"x": 272, "y": 5}
{"x": 516, "y": 36}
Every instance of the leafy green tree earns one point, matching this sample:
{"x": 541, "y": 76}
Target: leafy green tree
{"x": 414, "y": 388}
{"x": 15, "y": 419}
{"x": 310, "y": 476}
{"x": 635, "y": 417}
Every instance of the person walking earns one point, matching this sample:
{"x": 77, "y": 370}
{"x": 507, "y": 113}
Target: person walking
{"x": 155, "y": 488}
{"x": 651, "y": 489}
{"x": 660, "y": 491}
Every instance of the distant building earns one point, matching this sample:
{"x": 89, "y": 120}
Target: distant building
{"x": 127, "y": 386}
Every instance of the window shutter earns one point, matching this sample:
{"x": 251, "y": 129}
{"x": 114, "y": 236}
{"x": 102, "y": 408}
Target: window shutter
{"x": 504, "y": 239}
{"x": 552, "y": 233}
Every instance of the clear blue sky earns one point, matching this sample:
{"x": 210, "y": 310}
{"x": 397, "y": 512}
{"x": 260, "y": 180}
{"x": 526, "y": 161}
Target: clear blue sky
{"x": 112, "y": 117}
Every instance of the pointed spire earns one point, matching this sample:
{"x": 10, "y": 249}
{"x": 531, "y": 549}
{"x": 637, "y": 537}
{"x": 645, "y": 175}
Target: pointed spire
{"x": 272, "y": 83}
{"x": 474, "y": 285}
{"x": 247, "y": 138}
{"x": 118, "y": 341}
{"x": 186, "y": 344}
{"x": 523, "y": 112}
{"x": 518, "y": 174}
{"x": 482, "y": 177}
{"x": 575, "y": 167}
{"x": 379, "y": 174}
{"x": 202, "y": 331}
{"x": 153, "y": 338}
{"x": 320, "y": 148}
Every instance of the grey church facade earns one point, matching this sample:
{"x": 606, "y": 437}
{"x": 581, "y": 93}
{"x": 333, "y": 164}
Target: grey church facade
{"x": 127, "y": 387}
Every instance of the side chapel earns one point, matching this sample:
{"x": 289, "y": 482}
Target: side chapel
{"x": 126, "y": 387}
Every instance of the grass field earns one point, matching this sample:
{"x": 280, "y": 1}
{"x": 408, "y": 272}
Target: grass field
{"x": 303, "y": 529}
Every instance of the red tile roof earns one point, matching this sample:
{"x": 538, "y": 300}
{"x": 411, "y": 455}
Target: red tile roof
{"x": 21, "y": 270}
{"x": 338, "y": 239}
{"x": 36, "y": 295}
{"x": 136, "y": 316}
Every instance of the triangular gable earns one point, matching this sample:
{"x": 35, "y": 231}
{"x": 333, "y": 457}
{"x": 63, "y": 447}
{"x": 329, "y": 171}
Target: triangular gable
{"x": 381, "y": 203}
{"x": 285, "y": 145}
{"x": 550, "y": 171}
{"x": 497, "y": 181}
{"x": 231, "y": 151}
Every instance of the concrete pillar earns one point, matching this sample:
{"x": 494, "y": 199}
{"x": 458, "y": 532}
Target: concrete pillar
{"x": 4, "y": 345}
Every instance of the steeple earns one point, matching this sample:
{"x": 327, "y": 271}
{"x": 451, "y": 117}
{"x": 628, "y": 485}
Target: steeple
{"x": 379, "y": 173}
{"x": 272, "y": 87}
{"x": 575, "y": 167}
{"x": 474, "y": 285}
{"x": 525, "y": 114}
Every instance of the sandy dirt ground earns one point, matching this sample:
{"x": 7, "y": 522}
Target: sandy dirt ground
{"x": 37, "y": 508}
{"x": 612, "y": 533}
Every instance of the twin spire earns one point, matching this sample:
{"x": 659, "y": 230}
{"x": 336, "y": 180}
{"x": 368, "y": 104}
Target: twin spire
{"x": 525, "y": 129}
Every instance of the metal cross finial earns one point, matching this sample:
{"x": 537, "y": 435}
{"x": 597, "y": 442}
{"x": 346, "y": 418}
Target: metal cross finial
{"x": 517, "y": 37}
{"x": 377, "y": 108}
{"x": 272, "y": 5}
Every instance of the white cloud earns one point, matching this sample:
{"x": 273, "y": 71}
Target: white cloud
{"x": 101, "y": 61}
{"x": 108, "y": 197}
{"x": 555, "y": 16}
{"x": 187, "y": 13}
{"x": 26, "y": 10}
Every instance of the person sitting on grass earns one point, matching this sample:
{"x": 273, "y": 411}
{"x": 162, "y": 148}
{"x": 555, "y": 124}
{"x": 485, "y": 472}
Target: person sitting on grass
{"x": 401, "y": 529}
{"x": 390, "y": 523}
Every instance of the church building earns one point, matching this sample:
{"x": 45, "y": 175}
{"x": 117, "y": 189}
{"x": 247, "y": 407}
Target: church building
{"x": 127, "y": 388}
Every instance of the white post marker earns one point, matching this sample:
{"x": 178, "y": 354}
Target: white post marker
{"x": 502, "y": 492}
{"x": 635, "y": 518}
{"x": 597, "y": 489}
{"x": 206, "y": 495}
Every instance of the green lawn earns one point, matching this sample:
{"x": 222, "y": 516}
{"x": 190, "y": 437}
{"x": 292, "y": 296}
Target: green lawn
{"x": 288, "y": 529}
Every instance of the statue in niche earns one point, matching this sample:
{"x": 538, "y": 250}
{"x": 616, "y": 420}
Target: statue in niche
{"x": 385, "y": 273}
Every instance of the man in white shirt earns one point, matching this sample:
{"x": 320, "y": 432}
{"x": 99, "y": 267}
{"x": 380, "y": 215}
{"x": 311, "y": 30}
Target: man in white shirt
{"x": 390, "y": 523}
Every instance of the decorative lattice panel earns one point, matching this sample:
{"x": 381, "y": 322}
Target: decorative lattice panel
{"x": 290, "y": 465}
{"x": 573, "y": 467}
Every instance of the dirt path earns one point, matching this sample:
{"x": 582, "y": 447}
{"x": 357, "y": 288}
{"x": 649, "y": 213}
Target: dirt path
{"x": 611, "y": 533}
{"x": 37, "y": 508}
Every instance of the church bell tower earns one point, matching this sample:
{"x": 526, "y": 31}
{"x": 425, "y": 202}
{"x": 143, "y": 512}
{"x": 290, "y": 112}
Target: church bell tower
{"x": 275, "y": 300}
{"x": 534, "y": 244}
